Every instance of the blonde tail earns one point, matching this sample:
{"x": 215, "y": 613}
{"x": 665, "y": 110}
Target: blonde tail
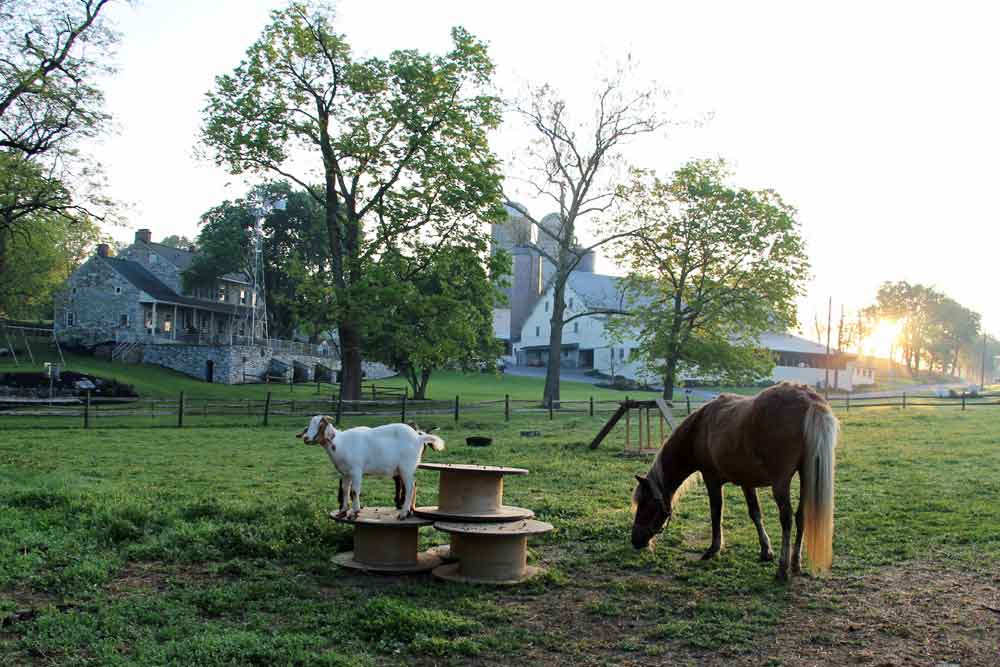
{"x": 821, "y": 429}
{"x": 432, "y": 441}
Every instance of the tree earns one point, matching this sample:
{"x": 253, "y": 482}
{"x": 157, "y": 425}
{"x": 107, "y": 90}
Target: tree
{"x": 913, "y": 306}
{"x": 440, "y": 316}
{"x": 178, "y": 241}
{"x": 41, "y": 256}
{"x": 51, "y": 53}
{"x": 400, "y": 144}
{"x": 573, "y": 166}
{"x": 712, "y": 267}
{"x": 294, "y": 241}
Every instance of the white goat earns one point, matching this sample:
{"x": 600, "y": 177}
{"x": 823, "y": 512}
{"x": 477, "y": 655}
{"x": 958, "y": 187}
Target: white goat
{"x": 390, "y": 450}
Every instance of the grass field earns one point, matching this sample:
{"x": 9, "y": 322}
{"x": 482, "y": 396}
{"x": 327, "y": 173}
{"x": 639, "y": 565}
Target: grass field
{"x": 213, "y": 546}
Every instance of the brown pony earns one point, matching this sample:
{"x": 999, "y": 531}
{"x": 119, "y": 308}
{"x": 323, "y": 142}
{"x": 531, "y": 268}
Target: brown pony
{"x": 751, "y": 441}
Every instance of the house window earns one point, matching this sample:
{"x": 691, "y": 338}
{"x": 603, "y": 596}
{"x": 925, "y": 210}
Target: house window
{"x": 118, "y": 290}
{"x": 571, "y": 302}
{"x": 222, "y": 292}
{"x": 70, "y": 319}
{"x": 621, "y": 353}
{"x": 123, "y": 320}
{"x": 546, "y": 306}
{"x": 168, "y": 323}
{"x": 538, "y": 331}
{"x": 576, "y": 327}
{"x": 73, "y": 290}
{"x": 243, "y": 297}
{"x": 218, "y": 326}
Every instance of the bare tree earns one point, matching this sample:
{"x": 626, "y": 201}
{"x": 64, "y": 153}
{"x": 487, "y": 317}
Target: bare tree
{"x": 575, "y": 166}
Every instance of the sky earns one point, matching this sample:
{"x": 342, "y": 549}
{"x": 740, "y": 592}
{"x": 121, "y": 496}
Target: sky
{"x": 877, "y": 121}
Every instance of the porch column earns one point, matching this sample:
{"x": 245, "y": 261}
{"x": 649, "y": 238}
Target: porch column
{"x": 173, "y": 326}
{"x": 211, "y": 325}
{"x": 152, "y": 329}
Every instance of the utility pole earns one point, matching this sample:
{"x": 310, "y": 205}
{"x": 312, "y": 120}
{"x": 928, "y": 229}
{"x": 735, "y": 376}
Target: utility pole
{"x": 829, "y": 319}
{"x": 982, "y": 370}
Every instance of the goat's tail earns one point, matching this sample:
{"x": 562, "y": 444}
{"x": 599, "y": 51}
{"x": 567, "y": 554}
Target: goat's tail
{"x": 432, "y": 441}
{"x": 821, "y": 429}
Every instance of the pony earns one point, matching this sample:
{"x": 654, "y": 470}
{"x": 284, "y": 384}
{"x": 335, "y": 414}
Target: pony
{"x": 752, "y": 442}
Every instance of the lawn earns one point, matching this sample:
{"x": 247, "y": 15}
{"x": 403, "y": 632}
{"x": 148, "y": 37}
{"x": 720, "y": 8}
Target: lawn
{"x": 209, "y": 546}
{"x": 157, "y": 382}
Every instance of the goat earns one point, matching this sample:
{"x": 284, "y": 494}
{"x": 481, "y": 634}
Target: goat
{"x": 389, "y": 450}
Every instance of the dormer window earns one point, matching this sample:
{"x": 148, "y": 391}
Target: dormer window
{"x": 222, "y": 292}
{"x": 243, "y": 297}
{"x": 118, "y": 290}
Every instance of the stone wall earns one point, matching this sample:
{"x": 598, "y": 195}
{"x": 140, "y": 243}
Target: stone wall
{"x": 231, "y": 364}
{"x": 97, "y": 296}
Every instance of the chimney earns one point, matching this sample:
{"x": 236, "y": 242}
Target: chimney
{"x": 143, "y": 236}
{"x": 103, "y": 250}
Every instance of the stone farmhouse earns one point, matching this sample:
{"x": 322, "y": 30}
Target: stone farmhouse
{"x": 586, "y": 342}
{"x": 133, "y": 307}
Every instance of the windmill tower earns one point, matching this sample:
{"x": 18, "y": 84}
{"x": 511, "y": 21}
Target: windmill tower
{"x": 257, "y": 312}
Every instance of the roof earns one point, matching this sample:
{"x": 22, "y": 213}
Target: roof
{"x": 182, "y": 259}
{"x": 783, "y": 342}
{"x": 137, "y": 274}
{"x": 598, "y": 292}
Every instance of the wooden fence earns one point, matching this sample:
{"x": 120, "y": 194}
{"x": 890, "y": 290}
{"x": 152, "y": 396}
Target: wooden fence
{"x": 282, "y": 407}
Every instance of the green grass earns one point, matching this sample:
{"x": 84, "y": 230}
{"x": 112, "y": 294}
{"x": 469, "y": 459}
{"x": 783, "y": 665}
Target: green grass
{"x": 212, "y": 547}
{"x": 157, "y": 382}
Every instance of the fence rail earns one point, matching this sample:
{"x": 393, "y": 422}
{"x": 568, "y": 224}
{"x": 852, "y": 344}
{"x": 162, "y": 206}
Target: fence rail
{"x": 185, "y": 410}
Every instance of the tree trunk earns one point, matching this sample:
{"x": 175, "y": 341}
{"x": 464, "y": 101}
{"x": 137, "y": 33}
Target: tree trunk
{"x": 350, "y": 361}
{"x": 668, "y": 378}
{"x": 552, "y": 372}
{"x": 420, "y": 388}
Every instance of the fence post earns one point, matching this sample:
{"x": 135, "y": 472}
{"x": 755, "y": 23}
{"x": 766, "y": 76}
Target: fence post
{"x": 340, "y": 404}
{"x": 848, "y": 402}
{"x": 373, "y": 392}
{"x": 86, "y": 411}
{"x": 904, "y": 400}
{"x": 180, "y": 410}
{"x": 291, "y": 381}
{"x": 963, "y": 401}
{"x": 267, "y": 408}
{"x": 506, "y": 407}
{"x": 591, "y": 406}
{"x": 403, "y": 417}
{"x": 687, "y": 398}
{"x": 456, "y": 407}
{"x": 550, "y": 408}
{"x": 317, "y": 387}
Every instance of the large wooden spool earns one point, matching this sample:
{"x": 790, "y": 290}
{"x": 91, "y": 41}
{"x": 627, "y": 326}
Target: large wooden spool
{"x": 384, "y": 543}
{"x": 491, "y": 553}
{"x": 472, "y": 493}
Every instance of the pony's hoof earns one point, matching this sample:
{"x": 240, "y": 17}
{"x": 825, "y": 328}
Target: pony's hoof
{"x": 711, "y": 553}
{"x": 766, "y": 556}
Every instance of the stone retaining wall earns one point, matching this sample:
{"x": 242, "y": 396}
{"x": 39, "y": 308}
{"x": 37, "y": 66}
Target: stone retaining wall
{"x": 234, "y": 364}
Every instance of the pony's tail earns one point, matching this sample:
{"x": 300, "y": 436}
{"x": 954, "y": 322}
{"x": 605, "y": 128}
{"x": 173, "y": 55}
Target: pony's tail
{"x": 432, "y": 441}
{"x": 821, "y": 429}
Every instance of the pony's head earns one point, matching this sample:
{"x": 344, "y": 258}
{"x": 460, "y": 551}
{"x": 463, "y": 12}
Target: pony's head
{"x": 652, "y": 511}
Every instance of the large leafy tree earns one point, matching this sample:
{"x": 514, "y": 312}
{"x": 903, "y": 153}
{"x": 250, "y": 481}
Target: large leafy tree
{"x": 913, "y": 305}
{"x": 397, "y": 145}
{"x": 294, "y": 246}
{"x": 41, "y": 256}
{"x": 51, "y": 54}
{"x": 712, "y": 267}
{"x": 436, "y": 314}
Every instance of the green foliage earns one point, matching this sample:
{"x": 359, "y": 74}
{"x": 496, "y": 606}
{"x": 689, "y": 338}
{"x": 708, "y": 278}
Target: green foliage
{"x": 38, "y": 259}
{"x": 294, "y": 246}
{"x": 401, "y": 143}
{"x": 436, "y": 311}
{"x": 711, "y": 268}
{"x": 177, "y": 241}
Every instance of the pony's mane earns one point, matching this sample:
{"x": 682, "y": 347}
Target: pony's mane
{"x": 686, "y": 485}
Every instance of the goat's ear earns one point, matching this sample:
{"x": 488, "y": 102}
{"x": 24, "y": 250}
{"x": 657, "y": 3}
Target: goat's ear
{"x": 301, "y": 433}
{"x": 641, "y": 479}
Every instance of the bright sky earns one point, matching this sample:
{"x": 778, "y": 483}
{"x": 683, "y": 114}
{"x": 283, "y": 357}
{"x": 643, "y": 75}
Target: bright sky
{"x": 877, "y": 120}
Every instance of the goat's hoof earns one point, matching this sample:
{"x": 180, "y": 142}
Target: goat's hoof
{"x": 766, "y": 556}
{"x": 404, "y": 515}
{"x": 351, "y": 516}
{"x": 341, "y": 514}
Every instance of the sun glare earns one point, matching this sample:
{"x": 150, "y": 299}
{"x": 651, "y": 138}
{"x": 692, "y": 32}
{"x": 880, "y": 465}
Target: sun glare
{"x": 885, "y": 336}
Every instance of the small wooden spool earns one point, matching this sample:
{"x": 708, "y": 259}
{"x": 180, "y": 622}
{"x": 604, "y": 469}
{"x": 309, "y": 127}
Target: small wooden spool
{"x": 491, "y": 553}
{"x": 384, "y": 543}
{"x": 472, "y": 493}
